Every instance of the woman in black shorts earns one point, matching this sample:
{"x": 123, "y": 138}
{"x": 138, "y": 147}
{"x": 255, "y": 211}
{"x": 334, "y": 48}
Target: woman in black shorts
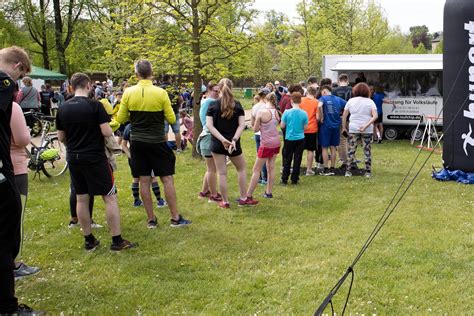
{"x": 226, "y": 122}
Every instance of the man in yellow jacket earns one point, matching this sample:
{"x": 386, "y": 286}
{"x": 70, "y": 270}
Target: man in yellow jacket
{"x": 147, "y": 107}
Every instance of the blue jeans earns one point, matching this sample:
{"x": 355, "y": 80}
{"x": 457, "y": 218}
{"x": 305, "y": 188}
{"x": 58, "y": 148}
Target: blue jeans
{"x": 263, "y": 174}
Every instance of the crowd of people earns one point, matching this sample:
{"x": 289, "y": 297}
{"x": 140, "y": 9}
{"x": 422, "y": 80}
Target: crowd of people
{"x": 94, "y": 121}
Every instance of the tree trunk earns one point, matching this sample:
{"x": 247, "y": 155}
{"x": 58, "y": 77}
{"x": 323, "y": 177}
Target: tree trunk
{"x": 44, "y": 37}
{"x": 197, "y": 83}
{"x": 58, "y": 35}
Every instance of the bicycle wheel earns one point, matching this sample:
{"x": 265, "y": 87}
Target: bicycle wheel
{"x": 57, "y": 165}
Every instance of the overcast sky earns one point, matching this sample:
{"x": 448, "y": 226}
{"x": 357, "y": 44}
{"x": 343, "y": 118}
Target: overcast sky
{"x": 404, "y": 13}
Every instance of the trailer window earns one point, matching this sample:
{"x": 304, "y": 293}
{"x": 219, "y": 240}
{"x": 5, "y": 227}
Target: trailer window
{"x": 400, "y": 84}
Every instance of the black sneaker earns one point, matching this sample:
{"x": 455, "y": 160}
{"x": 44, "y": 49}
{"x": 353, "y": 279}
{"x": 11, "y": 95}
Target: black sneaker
{"x": 92, "y": 245}
{"x": 125, "y": 244}
{"x": 152, "y": 224}
{"x": 26, "y": 310}
{"x": 180, "y": 222}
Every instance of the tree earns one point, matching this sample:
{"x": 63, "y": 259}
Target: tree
{"x": 214, "y": 30}
{"x": 64, "y": 27}
{"x": 420, "y": 34}
{"x": 34, "y": 17}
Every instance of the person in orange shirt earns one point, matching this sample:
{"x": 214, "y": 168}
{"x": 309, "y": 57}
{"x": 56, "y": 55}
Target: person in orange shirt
{"x": 310, "y": 105}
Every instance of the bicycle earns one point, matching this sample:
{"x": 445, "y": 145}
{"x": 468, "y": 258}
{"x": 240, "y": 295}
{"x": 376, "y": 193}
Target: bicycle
{"x": 34, "y": 122}
{"x": 50, "y": 156}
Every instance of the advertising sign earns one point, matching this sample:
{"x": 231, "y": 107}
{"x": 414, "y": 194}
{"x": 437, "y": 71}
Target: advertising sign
{"x": 409, "y": 110}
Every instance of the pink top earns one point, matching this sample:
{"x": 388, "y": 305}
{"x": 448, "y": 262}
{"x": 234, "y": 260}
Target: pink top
{"x": 188, "y": 123}
{"x": 269, "y": 136}
{"x": 20, "y": 139}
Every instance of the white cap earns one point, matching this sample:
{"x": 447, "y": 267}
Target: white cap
{"x": 277, "y": 82}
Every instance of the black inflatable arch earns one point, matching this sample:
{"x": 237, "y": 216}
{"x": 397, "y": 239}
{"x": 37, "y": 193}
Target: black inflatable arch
{"x": 458, "y": 84}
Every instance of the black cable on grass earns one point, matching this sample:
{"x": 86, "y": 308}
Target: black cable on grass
{"x": 388, "y": 212}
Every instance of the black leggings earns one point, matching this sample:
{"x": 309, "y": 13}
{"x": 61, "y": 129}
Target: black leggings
{"x": 10, "y": 214}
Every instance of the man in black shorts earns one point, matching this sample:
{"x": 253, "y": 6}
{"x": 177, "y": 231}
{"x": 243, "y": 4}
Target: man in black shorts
{"x": 82, "y": 124}
{"x": 14, "y": 64}
{"x": 147, "y": 107}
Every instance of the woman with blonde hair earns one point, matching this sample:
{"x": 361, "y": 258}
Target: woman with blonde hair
{"x": 226, "y": 121}
{"x": 28, "y": 97}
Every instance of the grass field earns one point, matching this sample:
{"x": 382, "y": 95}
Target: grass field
{"x": 281, "y": 257}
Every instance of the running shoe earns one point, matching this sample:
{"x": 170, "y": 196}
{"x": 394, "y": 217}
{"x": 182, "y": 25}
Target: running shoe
{"x": 91, "y": 246}
{"x": 368, "y": 175}
{"x": 73, "y": 224}
{"x": 348, "y": 174}
{"x": 268, "y": 195}
{"x": 152, "y": 224}
{"x": 24, "y": 270}
{"x": 250, "y": 201}
{"x": 161, "y": 203}
{"x": 204, "y": 194}
{"x": 180, "y": 222}
{"x": 125, "y": 244}
{"x": 310, "y": 173}
{"x": 137, "y": 203}
{"x": 95, "y": 225}
{"x": 326, "y": 172}
{"x": 215, "y": 198}
{"x": 178, "y": 151}
{"x": 26, "y": 310}
{"x": 262, "y": 182}
{"x": 223, "y": 204}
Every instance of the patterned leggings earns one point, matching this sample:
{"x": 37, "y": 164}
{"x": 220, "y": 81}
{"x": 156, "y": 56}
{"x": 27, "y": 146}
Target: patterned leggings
{"x": 353, "y": 140}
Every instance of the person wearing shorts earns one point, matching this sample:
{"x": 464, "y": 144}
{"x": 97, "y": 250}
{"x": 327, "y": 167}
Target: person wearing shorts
{"x": 148, "y": 107}
{"x": 266, "y": 121}
{"x": 310, "y": 105}
{"x": 135, "y": 181}
{"x": 209, "y": 181}
{"x": 225, "y": 120}
{"x": 83, "y": 123}
{"x": 330, "y": 107}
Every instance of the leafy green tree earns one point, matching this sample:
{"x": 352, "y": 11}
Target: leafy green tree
{"x": 214, "y": 30}
{"x": 420, "y": 34}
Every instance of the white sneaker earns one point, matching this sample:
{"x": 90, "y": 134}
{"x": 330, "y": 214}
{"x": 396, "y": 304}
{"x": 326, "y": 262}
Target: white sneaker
{"x": 348, "y": 174}
{"x": 95, "y": 225}
{"x": 368, "y": 175}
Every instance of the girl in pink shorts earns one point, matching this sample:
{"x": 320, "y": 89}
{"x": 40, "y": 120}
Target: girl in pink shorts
{"x": 266, "y": 121}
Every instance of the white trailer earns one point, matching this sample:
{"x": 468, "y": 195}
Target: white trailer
{"x": 412, "y": 82}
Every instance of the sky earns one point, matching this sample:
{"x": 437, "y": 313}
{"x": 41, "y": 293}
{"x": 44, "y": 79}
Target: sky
{"x": 404, "y": 13}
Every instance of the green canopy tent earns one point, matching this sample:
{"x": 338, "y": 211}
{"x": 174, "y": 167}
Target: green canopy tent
{"x": 45, "y": 74}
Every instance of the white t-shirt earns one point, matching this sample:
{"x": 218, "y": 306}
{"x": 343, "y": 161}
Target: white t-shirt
{"x": 257, "y": 107}
{"x": 361, "y": 112}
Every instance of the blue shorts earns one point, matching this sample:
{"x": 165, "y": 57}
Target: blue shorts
{"x": 329, "y": 136}
{"x": 174, "y": 126}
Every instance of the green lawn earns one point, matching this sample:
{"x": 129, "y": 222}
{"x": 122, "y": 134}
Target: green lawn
{"x": 281, "y": 257}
